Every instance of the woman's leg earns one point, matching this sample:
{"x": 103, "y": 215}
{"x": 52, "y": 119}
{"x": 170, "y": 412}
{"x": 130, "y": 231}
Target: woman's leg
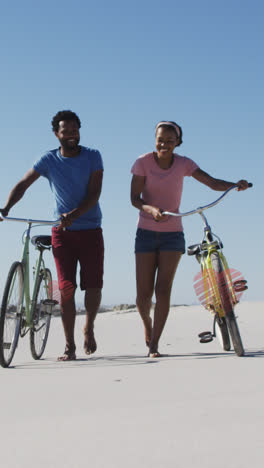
{"x": 167, "y": 265}
{"x": 146, "y": 265}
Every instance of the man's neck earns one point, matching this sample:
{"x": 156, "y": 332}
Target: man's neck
{"x": 68, "y": 153}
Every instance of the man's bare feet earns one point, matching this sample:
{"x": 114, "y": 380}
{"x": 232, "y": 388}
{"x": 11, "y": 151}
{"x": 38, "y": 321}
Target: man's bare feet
{"x": 69, "y": 355}
{"x": 90, "y": 345}
{"x": 148, "y": 331}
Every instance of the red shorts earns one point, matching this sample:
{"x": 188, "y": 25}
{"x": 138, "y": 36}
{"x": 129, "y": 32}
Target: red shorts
{"x": 85, "y": 247}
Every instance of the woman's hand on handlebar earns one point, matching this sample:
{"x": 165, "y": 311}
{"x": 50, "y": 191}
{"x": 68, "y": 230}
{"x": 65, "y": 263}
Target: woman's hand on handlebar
{"x": 243, "y": 185}
{"x": 157, "y": 214}
{"x": 154, "y": 211}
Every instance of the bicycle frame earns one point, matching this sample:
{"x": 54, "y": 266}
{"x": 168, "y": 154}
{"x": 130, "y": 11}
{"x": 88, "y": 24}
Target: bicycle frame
{"x": 28, "y": 301}
{"x": 203, "y": 253}
{"x": 20, "y": 312}
{"x": 30, "y": 304}
{"x": 215, "y": 287}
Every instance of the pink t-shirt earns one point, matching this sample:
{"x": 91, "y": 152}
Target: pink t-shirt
{"x": 163, "y": 189}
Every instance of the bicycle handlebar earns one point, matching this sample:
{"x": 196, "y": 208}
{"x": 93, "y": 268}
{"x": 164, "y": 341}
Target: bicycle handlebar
{"x": 31, "y": 221}
{"x": 202, "y": 208}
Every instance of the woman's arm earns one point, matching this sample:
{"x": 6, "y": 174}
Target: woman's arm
{"x": 137, "y": 186}
{"x": 217, "y": 184}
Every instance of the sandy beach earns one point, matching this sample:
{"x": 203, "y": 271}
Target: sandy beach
{"x": 195, "y": 407}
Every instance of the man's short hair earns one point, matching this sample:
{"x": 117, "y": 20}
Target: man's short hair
{"x": 64, "y": 115}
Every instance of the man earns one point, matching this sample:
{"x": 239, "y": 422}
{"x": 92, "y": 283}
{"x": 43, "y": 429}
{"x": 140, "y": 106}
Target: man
{"x": 75, "y": 175}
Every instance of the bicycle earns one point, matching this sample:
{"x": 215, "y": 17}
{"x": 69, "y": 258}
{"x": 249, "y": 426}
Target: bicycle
{"x": 20, "y": 312}
{"x": 217, "y": 288}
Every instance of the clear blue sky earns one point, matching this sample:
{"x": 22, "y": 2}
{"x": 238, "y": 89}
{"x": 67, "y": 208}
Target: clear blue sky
{"x": 123, "y": 66}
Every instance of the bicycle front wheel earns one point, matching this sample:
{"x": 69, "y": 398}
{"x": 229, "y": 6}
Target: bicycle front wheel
{"x": 41, "y": 315}
{"x": 221, "y": 331}
{"x": 10, "y": 318}
{"x": 226, "y": 302}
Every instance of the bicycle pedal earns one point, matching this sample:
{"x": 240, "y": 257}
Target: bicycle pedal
{"x": 240, "y": 285}
{"x": 206, "y": 337}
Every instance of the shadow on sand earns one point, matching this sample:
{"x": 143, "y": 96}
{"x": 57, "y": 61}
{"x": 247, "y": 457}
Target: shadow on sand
{"x": 128, "y": 360}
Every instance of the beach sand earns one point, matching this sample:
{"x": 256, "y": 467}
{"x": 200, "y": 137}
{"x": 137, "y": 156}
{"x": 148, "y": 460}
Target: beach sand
{"x": 197, "y": 406}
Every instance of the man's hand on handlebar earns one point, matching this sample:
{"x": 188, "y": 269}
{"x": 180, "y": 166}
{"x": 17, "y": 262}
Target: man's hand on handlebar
{"x": 66, "y": 220}
{"x": 4, "y": 212}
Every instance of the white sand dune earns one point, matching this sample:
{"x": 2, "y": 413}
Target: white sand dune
{"x": 195, "y": 407}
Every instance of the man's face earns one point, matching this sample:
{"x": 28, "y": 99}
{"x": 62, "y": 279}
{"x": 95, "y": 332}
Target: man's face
{"x": 68, "y": 134}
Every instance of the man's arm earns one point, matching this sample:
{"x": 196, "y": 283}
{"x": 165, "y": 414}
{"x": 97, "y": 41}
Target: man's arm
{"x": 93, "y": 194}
{"x": 217, "y": 184}
{"x": 19, "y": 189}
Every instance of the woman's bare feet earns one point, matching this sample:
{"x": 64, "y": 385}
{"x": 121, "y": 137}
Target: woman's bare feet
{"x": 155, "y": 354}
{"x": 69, "y": 354}
{"x": 90, "y": 345}
{"x": 153, "y": 351}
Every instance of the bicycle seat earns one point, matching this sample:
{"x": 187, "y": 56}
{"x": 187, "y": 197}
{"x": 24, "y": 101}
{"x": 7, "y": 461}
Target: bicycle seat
{"x": 196, "y": 248}
{"x": 43, "y": 242}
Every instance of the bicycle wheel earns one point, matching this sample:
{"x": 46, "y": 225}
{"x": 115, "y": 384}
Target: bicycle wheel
{"x": 235, "y": 334}
{"x": 221, "y": 331}
{"x": 41, "y": 315}
{"x": 226, "y": 303}
{"x": 10, "y": 318}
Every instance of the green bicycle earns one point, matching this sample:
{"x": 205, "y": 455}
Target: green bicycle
{"x": 20, "y": 312}
{"x": 217, "y": 287}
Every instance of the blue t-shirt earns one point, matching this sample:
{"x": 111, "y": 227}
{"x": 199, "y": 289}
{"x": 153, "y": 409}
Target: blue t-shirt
{"x": 68, "y": 179}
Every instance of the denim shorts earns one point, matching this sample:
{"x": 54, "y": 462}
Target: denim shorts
{"x": 153, "y": 241}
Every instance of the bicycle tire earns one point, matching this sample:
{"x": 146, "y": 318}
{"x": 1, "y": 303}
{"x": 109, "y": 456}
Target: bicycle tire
{"x": 226, "y": 303}
{"x": 10, "y": 318}
{"x": 41, "y": 316}
{"x": 235, "y": 334}
{"x": 221, "y": 331}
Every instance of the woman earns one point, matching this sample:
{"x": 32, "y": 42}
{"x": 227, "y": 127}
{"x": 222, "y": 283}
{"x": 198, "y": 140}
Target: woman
{"x": 156, "y": 185}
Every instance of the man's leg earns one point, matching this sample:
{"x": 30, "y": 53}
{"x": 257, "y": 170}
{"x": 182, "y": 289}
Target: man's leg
{"x": 92, "y": 303}
{"x": 68, "y": 314}
{"x": 63, "y": 247}
{"x": 91, "y": 258}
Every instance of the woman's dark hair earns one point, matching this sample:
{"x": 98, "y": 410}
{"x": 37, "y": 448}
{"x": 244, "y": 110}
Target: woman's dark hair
{"x": 64, "y": 115}
{"x": 166, "y": 124}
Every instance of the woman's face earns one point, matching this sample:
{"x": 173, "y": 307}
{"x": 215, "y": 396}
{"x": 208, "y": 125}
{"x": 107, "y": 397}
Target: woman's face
{"x": 166, "y": 141}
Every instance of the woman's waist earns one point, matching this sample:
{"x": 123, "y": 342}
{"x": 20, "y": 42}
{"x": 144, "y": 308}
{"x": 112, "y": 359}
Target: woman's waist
{"x": 167, "y": 225}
